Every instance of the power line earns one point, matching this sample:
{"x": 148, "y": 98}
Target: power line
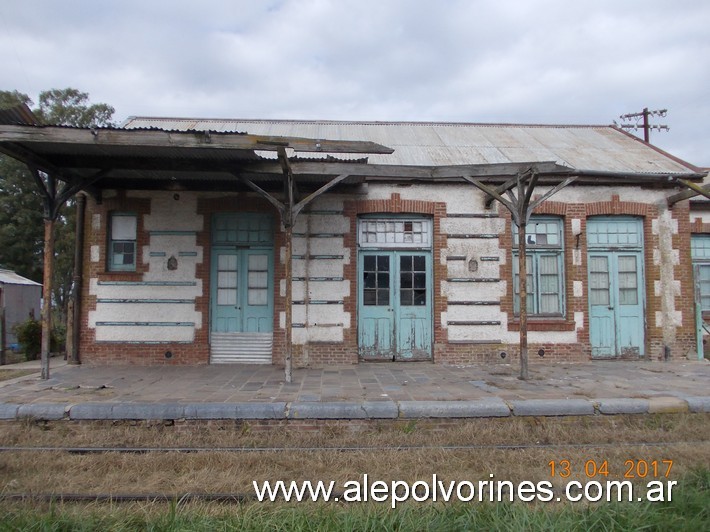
{"x": 641, "y": 121}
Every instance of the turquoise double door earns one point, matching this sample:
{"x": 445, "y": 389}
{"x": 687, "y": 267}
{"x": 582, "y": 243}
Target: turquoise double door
{"x": 395, "y": 305}
{"x": 242, "y": 271}
{"x": 616, "y": 286}
{"x": 242, "y": 290}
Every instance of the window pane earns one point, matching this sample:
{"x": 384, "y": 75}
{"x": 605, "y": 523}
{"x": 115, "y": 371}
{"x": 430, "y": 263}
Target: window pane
{"x": 598, "y": 281}
{"x": 405, "y": 280}
{"x": 369, "y": 297}
{"x": 123, "y": 227}
{"x": 226, "y": 296}
{"x": 420, "y": 280}
{"x": 405, "y": 297}
{"x": 383, "y": 280}
{"x": 227, "y": 262}
{"x": 370, "y": 262}
{"x": 258, "y": 280}
{"x": 369, "y": 279}
{"x": 227, "y": 279}
{"x": 419, "y": 263}
{"x": 405, "y": 263}
{"x": 420, "y": 297}
{"x": 258, "y": 296}
{"x": 383, "y": 297}
{"x": 258, "y": 262}
{"x": 549, "y": 304}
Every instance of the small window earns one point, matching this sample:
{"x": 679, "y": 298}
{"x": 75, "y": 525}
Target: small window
{"x": 122, "y": 242}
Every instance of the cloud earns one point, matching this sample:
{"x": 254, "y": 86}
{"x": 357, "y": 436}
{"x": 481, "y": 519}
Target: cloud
{"x": 543, "y": 61}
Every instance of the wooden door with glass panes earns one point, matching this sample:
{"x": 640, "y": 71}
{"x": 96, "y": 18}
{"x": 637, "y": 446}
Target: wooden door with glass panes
{"x": 395, "y": 289}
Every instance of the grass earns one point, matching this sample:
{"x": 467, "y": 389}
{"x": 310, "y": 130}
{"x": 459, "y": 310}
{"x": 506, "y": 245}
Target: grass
{"x": 687, "y": 511}
{"x": 8, "y": 374}
{"x": 223, "y": 472}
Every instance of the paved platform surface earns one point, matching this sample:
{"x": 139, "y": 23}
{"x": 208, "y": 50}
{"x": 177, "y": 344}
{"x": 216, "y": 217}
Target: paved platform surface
{"x": 367, "y": 390}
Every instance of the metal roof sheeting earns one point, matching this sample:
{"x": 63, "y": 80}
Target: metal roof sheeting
{"x": 10, "y": 277}
{"x": 600, "y": 148}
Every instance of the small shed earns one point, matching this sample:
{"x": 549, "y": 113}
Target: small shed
{"x": 19, "y": 299}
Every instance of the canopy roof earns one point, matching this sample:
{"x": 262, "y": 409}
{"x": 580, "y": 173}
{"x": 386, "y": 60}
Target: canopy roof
{"x": 212, "y": 154}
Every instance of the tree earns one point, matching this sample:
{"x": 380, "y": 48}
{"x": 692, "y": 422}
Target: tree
{"x": 21, "y": 225}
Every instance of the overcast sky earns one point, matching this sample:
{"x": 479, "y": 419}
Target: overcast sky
{"x": 510, "y": 61}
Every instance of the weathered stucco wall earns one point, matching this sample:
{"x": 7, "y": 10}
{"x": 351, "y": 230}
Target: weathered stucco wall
{"x": 472, "y": 275}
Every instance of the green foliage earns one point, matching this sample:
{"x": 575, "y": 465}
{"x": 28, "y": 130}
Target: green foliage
{"x": 21, "y": 207}
{"x": 29, "y": 336}
{"x": 70, "y": 107}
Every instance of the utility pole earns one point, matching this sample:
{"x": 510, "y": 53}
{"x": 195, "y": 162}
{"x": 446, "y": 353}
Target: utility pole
{"x": 641, "y": 120}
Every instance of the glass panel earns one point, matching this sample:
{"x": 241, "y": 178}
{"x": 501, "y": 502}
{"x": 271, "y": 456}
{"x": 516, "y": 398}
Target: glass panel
{"x": 227, "y": 262}
{"x": 412, "y": 280}
{"x": 383, "y": 297}
{"x": 258, "y": 280}
{"x": 257, "y": 296}
{"x": 700, "y": 247}
{"x": 598, "y": 281}
{"x": 376, "y": 284}
{"x": 395, "y": 233}
{"x": 420, "y": 280}
{"x": 258, "y": 263}
{"x": 628, "y": 285}
{"x": 405, "y": 280}
{"x": 226, "y": 296}
{"x": 383, "y": 280}
{"x": 123, "y": 227}
{"x": 227, "y": 279}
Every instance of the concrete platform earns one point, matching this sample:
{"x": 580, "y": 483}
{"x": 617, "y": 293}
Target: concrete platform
{"x": 365, "y": 391}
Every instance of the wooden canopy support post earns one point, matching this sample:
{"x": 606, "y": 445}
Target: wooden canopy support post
{"x": 288, "y": 211}
{"x": 52, "y": 200}
{"x": 521, "y": 207}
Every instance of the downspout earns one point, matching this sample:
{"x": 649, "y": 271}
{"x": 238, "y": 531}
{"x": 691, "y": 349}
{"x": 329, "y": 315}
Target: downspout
{"x": 78, "y": 276}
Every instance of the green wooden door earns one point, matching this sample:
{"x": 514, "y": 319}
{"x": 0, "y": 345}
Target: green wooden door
{"x": 395, "y": 305}
{"x": 242, "y": 290}
{"x": 616, "y": 295}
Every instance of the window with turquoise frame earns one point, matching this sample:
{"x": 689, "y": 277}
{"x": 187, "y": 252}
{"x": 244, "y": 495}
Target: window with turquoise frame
{"x": 700, "y": 253}
{"x": 545, "y": 266}
{"x": 123, "y": 227}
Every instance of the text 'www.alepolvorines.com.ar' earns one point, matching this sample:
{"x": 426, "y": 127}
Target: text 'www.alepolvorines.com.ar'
{"x": 397, "y": 491}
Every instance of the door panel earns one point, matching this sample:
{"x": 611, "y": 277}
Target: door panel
{"x": 226, "y": 312}
{"x": 413, "y": 314}
{"x": 615, "y": 303}
{"x": 257, "y": 302}
{"x": 376, "y": 329}
{"x": 395, "y": 305}
{"x": 242, "y": 292}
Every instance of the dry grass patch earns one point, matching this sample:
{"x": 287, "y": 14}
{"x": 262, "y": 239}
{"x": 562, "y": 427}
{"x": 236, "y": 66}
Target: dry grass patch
{"x": 308, "y": 456}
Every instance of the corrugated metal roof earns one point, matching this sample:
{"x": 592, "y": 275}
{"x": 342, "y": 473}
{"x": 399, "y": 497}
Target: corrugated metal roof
{"x": 602, "y": 148}
{"x": 20, "y": 114}
{"x": 10, "y": 277}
